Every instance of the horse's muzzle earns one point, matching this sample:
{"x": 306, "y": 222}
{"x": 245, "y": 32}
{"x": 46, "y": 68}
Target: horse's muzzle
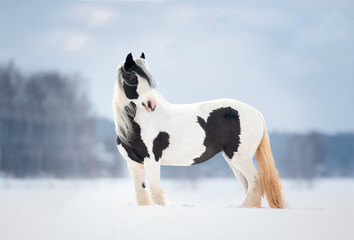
{"x": 149, "y": 105}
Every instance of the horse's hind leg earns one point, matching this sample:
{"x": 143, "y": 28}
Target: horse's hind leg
{"x": 240, "y": 177}
{"x": 254, "y": 192}
{"x": 137, "y": 171}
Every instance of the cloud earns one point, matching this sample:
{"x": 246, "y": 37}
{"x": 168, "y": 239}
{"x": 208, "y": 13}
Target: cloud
{"x": 66, "y": 40}
{"x": 254, "y": 17}
{"x": 93, "y": 16}
{"x": 132, "y": 1}
{"x": 328, "y": 29}
{"x": 179, "y": 15}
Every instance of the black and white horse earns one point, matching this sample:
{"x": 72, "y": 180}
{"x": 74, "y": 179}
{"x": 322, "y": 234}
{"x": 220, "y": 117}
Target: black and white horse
{"x": 153, "y": 132}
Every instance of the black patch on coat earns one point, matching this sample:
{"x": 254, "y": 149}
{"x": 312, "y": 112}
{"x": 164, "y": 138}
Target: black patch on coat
{"x": 136, "y": 148}
{"x": 161, "y": 142}
{"x": 130, "y": 91}
{"x": 130, "y": 84}
{"x": 118, "y": 141}
{"x": 222, "y": 133}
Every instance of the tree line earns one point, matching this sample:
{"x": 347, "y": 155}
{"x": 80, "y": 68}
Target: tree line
{"x": 46, "y": 128}
{"x": 298, "y": 156}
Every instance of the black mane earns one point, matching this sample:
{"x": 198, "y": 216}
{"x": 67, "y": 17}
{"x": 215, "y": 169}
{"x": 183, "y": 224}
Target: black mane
{"x": 130, "y": 77}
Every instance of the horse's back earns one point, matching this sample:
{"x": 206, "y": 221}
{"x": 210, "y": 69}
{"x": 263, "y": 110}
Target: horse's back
{"x": 200, "y": 130}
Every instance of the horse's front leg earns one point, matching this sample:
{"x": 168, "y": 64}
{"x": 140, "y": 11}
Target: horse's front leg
{"x": 138, "y": 173}
{"x": 158, "y": 195}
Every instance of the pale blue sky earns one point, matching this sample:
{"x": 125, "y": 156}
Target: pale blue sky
{"x": 293, "y": 60}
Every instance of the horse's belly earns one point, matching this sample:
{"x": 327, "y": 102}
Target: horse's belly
{"x": 186, "y": 144}
{"x": 178, "y": 156}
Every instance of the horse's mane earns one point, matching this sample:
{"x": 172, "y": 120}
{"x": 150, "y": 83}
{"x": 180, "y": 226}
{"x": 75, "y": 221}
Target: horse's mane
{"x": 124, "y": 112}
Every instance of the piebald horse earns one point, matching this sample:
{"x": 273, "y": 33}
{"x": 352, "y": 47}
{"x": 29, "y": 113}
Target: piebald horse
{"x": 152, "y": 132}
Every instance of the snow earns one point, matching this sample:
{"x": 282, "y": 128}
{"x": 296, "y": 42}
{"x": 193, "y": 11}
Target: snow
{"x": 200, "y": 209}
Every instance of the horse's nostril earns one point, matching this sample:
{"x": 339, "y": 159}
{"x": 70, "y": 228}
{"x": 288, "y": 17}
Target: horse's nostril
{"x": 144, "y": 105}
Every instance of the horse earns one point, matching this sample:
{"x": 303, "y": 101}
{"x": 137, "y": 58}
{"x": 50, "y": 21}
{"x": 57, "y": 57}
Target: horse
{"x": 152, "y": 132}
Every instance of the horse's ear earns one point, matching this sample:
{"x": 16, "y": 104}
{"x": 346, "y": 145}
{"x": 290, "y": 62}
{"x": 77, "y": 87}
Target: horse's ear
{"x": 129, "y": 61}
{"x": 142, "y": 56}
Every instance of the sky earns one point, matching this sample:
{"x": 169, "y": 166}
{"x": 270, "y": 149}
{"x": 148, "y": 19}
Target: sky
{"x": 292, "y": 60}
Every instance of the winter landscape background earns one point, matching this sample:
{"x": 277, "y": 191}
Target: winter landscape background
{"x": 61, "y": 176}
{"x": 47, "y": 130}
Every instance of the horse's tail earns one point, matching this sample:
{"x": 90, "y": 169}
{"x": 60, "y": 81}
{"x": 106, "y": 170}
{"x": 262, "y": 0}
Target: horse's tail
{"x": 268, "y": 173}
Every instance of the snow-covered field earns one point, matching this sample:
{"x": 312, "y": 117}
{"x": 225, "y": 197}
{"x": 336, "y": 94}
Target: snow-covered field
{"x": 203, "y": 209}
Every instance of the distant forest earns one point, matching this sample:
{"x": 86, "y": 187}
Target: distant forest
{"x": 47, "y": 129}
{"x": 300, "y": 156}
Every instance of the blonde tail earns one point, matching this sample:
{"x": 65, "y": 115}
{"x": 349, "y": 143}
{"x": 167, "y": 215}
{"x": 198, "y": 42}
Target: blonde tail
{"x": 268, "y": 173}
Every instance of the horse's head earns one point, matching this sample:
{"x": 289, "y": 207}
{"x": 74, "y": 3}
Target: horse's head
{"x": 136, "y": 82}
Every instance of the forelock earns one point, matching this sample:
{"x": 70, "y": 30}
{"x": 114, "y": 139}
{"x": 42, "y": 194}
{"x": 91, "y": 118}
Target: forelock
{"x": 143, "y": 70}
